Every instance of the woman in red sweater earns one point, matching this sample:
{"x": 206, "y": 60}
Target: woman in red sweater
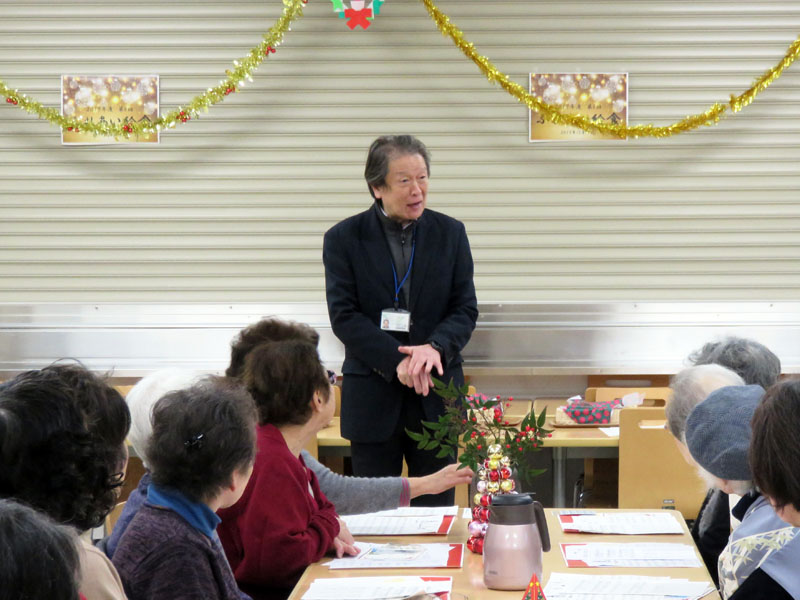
{"x": 283, "y": 522}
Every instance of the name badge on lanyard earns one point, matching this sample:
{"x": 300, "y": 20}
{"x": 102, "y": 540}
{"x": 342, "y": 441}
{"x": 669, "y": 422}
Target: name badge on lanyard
{"x": 397, "y": 319}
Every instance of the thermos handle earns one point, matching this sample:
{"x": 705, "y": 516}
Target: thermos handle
{"x": 541, "y": 524}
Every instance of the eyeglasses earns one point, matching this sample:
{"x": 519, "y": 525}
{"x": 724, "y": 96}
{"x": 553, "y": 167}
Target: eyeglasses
{"x": 332, "y": 377}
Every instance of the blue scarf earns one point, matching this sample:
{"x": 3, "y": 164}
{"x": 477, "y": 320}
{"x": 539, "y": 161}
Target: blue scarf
{"x": 197, "y": 514}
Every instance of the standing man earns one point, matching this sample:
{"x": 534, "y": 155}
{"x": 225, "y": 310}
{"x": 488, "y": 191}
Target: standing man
{"x": 401, "y": 298}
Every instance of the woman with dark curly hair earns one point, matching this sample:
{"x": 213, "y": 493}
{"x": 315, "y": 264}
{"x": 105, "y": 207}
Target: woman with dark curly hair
{"x": 200, "y": 455}
{"x": 31, "y": 538}
{"x": 62, "y": 447}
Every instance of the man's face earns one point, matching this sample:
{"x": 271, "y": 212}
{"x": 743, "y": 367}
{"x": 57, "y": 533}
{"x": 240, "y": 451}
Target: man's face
{"x": 406, "y": 189}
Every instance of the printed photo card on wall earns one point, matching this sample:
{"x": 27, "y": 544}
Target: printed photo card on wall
{"x": 599, "y": 96}
{"x": 114, "y": 99}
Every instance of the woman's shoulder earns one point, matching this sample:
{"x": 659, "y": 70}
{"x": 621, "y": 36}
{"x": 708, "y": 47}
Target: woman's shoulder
{"x": 99, "y": 577}
{"x": 156, "y": 530}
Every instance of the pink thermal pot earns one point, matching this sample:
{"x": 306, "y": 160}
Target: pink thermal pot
{"x": 515, "y": 540}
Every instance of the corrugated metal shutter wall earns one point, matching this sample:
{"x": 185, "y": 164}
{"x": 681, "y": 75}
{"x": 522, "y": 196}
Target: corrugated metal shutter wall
{"x": 232, "y": 207}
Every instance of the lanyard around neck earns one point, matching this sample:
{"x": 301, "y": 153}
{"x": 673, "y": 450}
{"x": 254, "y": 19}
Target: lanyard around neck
{"x": 398, "y": 287}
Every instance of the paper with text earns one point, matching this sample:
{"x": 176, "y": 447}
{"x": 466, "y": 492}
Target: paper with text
{"x": 402, "y": 556}
{"x": 379, "y": 588}
{"x": 626, "y": 523}
{"x": 635, "y": 554}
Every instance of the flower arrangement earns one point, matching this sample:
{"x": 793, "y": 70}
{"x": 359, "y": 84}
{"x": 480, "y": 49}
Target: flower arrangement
{"x": 473, "y": 423}
{"x": 492, "y": 444}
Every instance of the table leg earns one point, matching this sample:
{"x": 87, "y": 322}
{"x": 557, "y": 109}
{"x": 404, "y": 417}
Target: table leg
{"x": 559, "y": 477}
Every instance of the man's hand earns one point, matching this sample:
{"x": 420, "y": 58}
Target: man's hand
{"x": 421, "y": 383}
{"x": 416, "y": 372}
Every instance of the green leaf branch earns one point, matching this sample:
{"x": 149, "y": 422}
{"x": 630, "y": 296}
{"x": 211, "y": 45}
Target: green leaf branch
{"x": 470, "y": 424}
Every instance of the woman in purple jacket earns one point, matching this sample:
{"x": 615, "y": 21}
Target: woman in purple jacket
{"x": 201, "y": 455}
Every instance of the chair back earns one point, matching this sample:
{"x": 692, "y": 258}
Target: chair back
{"x": 652, "y": 472}
{"x": 337, "y": 396}
{"x": 653, "y": 396}
{"x": 123, "y": 389}
{"x": 113, "y": 517}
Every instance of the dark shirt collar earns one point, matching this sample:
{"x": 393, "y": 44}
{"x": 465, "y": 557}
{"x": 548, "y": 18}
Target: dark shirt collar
{"x": 197, "y": 514}
{"x": 390, "y": 225}
{"x": 746, "y": 502}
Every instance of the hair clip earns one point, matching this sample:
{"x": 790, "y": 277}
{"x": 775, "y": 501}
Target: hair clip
{"x": 194, "y": 442}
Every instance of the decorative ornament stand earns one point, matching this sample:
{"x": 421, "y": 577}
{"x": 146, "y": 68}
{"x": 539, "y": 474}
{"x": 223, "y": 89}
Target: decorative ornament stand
{"x": 534, "y": 591}
{"x": 478, "y": 432}
{"x": 494, "y": 478}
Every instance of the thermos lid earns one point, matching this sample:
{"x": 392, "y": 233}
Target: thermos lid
{"x": 512, "y": 509}
{"x": 512, "y": 500}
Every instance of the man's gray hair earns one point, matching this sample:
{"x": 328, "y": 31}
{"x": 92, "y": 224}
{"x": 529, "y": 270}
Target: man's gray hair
{"x": 690, "y": 387}
{"x": 386, "y": 148}
{"x": 754, "y": 362}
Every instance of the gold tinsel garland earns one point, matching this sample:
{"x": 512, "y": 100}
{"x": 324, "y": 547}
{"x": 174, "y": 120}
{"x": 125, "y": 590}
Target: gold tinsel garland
{"x": 242, "y": 71}
{"x": 555, "y": 115}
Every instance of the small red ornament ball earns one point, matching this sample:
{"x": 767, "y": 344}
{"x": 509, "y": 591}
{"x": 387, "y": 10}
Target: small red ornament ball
{"x": 486, "y": 500}
{"x": 505, "y": 473}
{"x": 494, "y": 475}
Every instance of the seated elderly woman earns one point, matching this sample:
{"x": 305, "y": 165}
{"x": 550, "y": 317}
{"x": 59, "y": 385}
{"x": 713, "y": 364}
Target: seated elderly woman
{"x": 712, "y": 527}
{"x": 141, "y": 399}
{"x": 283, "y": 522}
{"x": 774, "y": 451}
{"x": 761, "y": 558}
{"x": 38, "y": 558}
{"x": 64, "y": 453}
{"x": 755, "y": 364}
{"x": 201, "y": 454}
{"x": 350, "y": 495}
